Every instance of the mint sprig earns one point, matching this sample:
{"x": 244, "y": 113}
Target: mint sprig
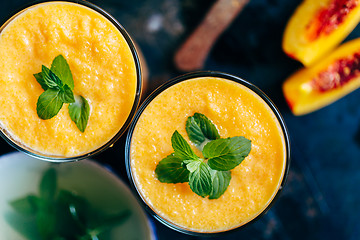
{"x": 58, "y": 85}
{"x": 209, "y": 176}
{"x": 61, "y": 214}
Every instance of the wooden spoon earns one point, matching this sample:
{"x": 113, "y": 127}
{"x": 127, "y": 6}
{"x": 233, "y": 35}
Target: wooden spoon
{"x": 193, "y": 53}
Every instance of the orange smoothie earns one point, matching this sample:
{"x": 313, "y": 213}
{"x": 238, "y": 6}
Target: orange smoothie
{"x": 236, "y": 111}
{"x": 103, "y": 69}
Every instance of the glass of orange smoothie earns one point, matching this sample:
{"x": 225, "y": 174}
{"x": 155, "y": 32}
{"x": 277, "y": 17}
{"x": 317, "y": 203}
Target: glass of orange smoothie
{"x": 236, "y": 108}
{"x": 105, "y": 69}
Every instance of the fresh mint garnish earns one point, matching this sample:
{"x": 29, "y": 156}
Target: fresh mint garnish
{"x": 50, "y": 79}
{"x": 200, "y": 180}
{"x": 200, "y": 129}
{"x": 192, "y": 165}
{"x": 182, "y": 148}
{"x": 25, "y": 206}
{"x": 66, "y": 95}
{"x": 172, "y": 170}
{"x": 61, "y": 68}
{"x": 58, "y": 85}
{"x": 40, "y": 79}
{"x": 61, "y": 214}
{"x": 226, "y": 154}
{"x": 48, "y": 185}
{"x": 209, "y": 176}
{"x": 79, "y": 112}
{"x": 108, "y": 223}
{"x": 49, "y": 104}
{"x": 220, "y": 182}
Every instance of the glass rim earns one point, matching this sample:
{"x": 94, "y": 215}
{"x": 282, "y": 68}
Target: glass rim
{"x": 58, "y": 159}
{"x": 194, "y": 75}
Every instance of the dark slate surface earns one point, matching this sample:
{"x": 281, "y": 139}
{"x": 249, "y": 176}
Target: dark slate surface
{"x": 321, "y": 199}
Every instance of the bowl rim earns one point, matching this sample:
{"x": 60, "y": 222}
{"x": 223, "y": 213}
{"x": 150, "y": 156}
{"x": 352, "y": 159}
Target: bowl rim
{"x": 7, "y": 160}
{"x": 55, "y": 158}
{"x": 193, "y": 75}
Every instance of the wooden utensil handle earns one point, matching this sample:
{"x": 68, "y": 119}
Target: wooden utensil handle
{"x": 193, "y": 53}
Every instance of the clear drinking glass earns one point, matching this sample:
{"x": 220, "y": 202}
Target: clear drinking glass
{"x": 54, "y": 158}
{"x": 160, "y": 90}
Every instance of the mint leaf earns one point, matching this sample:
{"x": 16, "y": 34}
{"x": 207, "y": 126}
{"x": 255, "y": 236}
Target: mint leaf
{"x": 200, "y": 129}
{"x": 192, "y": 165}
{"x": 49, "y": 104}
{"x": 50, "y": 79}
{"x": 171, "y": 170}
{"x": 73, "y": 214}
{"x": 46, "y": 219}
{"x": 40, "y": 79}
{"x": 48, "y": 184}
{"x": 68, "y": 198}
{"x": 26, "y": 206}
{"x": 226, "y": 154}
{"x": 110, "y": 222}
{"x": 66, "y": 95}
{"x": 220, "y": 182}
{"x": 79, "y": 112}
{"x": 61, "y": 69}
{"x": 182, "y": 148}
{"x": 200, "y": 180}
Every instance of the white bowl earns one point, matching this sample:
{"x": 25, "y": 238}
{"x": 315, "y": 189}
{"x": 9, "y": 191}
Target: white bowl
{"x": 20, "y": 175}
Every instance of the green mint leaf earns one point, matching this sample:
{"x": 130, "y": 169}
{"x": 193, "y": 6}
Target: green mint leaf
{"x": 58, "y": 84}
{"x": 49, "y": 104}
{"x": 171, "y": 170}
{"x": 226, "y": 154}
{"x": 68, "y": 198}
{"x": 79, "y": 112}
{"x": 26, "y": 206}
{"x": 87, "y": 236}
{"x": 110, "y": 222}
{"x": 50, "y": 79}
{"x": 182, "y": 148}
{"x": 48, "y": 185}
{"x": 200, "y": 180}
{"x": 200, "y": 129}
{"x": 192, "y": 165}
{"x": 220, "y": 182}
{"x": 61, "y": 69}
{"x": 73, "y": 214}
{"x": 40, "y": 79}
{"x": 46, "y": 221}
{"x": 66, "y": 95}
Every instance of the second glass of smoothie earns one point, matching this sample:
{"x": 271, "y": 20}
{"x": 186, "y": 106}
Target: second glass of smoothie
{"x": 236, "y": 108}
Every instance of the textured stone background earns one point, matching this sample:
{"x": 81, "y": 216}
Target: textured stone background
{"x": 321, "y": 199}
